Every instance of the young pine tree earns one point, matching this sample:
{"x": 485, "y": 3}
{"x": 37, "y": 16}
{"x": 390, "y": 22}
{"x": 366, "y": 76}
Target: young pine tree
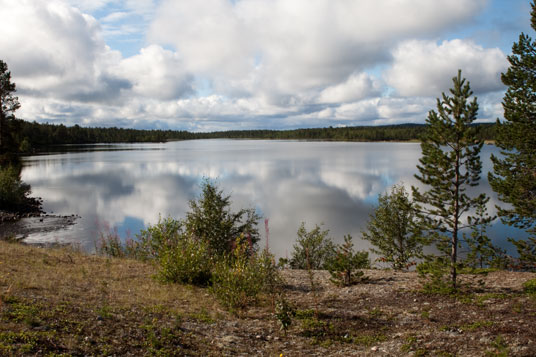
{"x": 514, "y": 174}
{"x": 450, "y": 164}
{"x": 392, "y": 229}
{"x": 345, "y": 265}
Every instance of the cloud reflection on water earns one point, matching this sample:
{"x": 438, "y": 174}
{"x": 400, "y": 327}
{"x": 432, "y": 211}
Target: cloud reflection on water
{"x": 287, "y": 182}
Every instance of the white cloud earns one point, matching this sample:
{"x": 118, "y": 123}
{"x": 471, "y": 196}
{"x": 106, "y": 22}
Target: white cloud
{"x": 220, "y": 64}
{"x": 358, "y": 86}
{"x": 426, "y": 68}
{"x": 156, "y": 73}
{"x": 299, "y": 45}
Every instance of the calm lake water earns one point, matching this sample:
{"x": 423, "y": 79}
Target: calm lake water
{"x": 127, "y": 186}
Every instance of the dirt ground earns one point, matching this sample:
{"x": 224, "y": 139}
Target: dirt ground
{"x": 60, "y": 302}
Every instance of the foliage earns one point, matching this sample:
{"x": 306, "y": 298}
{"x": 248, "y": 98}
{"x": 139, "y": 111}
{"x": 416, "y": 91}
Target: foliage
{"x": 345, "y": 264}
{"x": 514, "y": 172}
{"x": 450, "y": 164}
{"x": 210, "y": 219}
{"x": 159, "y": 239}
{"x": 527, "y": 253}
{"x": 38, "y": 135}
{"x": 434, "y": 273}
{"x": 284, "y": 312}
{"x": 13, "y": 191}
{"x": 241, "y": 276}
{"x": 8, "y": 105}
{"x": 482, "y": 253}
{"x": 392, "y": 229}
{"x": 188, "y": 261}
{"x": 313, "y": 249}
{"x": 529, "y": 287}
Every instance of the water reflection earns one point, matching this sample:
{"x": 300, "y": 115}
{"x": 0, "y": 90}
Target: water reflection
{"x": 287, "y": 182}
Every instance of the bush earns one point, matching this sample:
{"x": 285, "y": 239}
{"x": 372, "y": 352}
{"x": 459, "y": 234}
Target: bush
{"x": 239, "y": 278}
{"x": 435, "y": 273}
{"x": 188, "y": 261}
{"x": 344, "y": 266}
{"x": 529, "y": 287}
{"x": 210, "y": 219}
{"x": 13, "y": 191}
{"x": 312, "y": 250}
{"x": 158, "y": 239}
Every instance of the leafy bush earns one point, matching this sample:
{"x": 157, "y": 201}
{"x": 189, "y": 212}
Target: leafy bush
{"x": 13, "y": 191}
{"x": 312, "y": 250}
{"x": 344, "y": 266}
{"x": 210, "y": 219}
{"x": 158, "y": 239}
{"x": 239, "y": 278}
{"x": 188, "y": 261}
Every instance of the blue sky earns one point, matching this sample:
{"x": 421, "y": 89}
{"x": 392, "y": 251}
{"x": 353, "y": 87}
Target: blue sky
{"x": 249, "y": 64}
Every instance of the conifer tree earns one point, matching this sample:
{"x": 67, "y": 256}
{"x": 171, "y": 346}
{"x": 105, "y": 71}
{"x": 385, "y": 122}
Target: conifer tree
{"x": 392, "y": 229}
{"x": 8, "y": 105}
{"x": 450, "y": 164}
{"x": 514, "y": 173}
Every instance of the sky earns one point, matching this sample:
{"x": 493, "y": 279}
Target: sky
{"x": 253, "y": 64}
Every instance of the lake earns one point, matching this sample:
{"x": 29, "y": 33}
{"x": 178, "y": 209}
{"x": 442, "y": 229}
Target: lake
{"x": 128, "y": 186}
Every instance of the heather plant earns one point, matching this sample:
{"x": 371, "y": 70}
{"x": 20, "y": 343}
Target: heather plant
{"x": 345, "y": 265}
{"x": 313, "y": 249}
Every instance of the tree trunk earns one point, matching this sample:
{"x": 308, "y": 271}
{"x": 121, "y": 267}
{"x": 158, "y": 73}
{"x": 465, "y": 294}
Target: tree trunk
{"x": 454, "y": 241}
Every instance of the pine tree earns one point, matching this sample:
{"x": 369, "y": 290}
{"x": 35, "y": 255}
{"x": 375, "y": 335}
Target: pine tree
{"x": 345, "y": 265}
{"x": 450, "y": 164}
{"x": 8, "y": 105}
{"x": 514, "y": 173}
{"x": 482, "y": 252}
{"x": 392, "y": 229}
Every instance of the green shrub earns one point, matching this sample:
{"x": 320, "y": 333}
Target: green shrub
{"x": 158, "y": 239}
{"x": 312, "y": 250}
{"x": 13, "y": 191}
{"x": 529, "y": 287}
{"x": 211, "y": 219}
{"x": 240, "y": 277}
{"x": 188, "y": 261}
{"x": 435, "y": 274}
{"x": 345, "y": 264}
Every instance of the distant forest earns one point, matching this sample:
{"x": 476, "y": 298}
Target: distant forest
{"x": 37, "y": 135}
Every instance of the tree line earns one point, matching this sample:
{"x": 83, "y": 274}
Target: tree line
{"x": 23, "y": 136}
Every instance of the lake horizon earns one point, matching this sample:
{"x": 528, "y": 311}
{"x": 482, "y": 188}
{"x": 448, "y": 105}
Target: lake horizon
{"x": 129, "y": 186}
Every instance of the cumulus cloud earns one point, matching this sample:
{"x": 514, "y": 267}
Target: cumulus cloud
{"x": 426, "y": 68}
{"x": 356, "y": 87}
{"x": 221, "y": 64}
{"x": 297, "y": 45}
{"x": 156, "y": 73}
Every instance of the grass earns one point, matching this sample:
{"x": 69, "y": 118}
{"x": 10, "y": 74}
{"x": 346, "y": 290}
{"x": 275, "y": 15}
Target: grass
{"x": 57, "y": 302}
{"x": 56, "y": 299}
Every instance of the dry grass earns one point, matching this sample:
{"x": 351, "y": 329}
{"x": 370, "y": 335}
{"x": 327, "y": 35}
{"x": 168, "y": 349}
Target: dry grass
{"x": 73, "y": 298}
{"x": 60, "y": 302}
